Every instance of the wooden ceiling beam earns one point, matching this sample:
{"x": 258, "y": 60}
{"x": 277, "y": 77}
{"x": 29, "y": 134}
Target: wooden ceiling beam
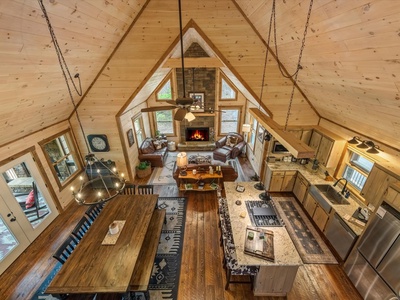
{"x": 295, "y": 146}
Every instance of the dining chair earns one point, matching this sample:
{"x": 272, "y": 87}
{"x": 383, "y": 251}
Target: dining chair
{"x": 145, "y": 189}
{"x": 129, "y": 189}
{"x": 93, "y": 211}
{"x": 66, "y": 248}
{"x": 81, "y": 228}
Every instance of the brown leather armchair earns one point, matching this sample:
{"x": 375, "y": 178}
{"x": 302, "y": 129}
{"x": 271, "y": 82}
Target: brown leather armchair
{"x": 149, "y": 152}
{"x": 230, "y": 146}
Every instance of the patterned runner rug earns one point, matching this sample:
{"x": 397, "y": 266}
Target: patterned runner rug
{"x": 163, "y": 176}
{"x": 165, "y": 277}
{"x": 309, "y": 244}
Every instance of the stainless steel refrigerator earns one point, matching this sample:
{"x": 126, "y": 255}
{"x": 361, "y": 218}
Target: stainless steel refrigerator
{"x": 374, "y": 266}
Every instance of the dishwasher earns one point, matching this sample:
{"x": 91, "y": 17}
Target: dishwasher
{"x": 341, "y": 236}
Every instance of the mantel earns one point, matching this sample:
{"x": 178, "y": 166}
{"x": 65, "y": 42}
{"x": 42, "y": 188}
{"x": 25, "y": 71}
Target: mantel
{"x": 295, "y": 146}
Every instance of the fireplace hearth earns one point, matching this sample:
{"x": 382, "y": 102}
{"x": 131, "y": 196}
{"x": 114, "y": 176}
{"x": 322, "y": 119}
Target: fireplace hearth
{"x": 197, "y": 134}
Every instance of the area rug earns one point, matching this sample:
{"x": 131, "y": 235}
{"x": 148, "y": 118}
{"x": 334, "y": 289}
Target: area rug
{"x": 312, "y": 249}
{"x": 165, "y": 276}
{"x": 163, "y": 176}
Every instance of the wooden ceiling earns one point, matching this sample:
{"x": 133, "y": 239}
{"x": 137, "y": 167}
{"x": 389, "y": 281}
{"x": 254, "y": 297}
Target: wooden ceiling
{"x": 350, "y": 65}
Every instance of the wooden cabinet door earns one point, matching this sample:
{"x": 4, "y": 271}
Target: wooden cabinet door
{"x": 320, "y": 218}
{"x": 297, "y": 133}
{"x": 324, "y": 150}
{"x": 315, "y": 140}
{"x": 393, "y": 197}
{"x": 376, "y": 185}
{"x": 300, "y": 188}
{"x": 288, "y": 181}
{"x": 306, "y": 136}
{"x": 276, "y": 181}
{"x": 310, "y": 205}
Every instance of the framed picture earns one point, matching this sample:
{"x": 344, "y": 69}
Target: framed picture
{"x": 260, "y": 133}
{"x": 131, "y": 140}
{"x": 198, "y": 104}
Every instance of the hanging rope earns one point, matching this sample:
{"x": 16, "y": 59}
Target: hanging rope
{"x": 64, "y": 68}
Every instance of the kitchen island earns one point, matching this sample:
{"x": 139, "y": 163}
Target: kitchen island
{"x": 274, "y": 278}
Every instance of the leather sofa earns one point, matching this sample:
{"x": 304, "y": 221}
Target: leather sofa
{"x": 229, "y": 171}
{"x": 225, "y": 149}
{"x": 148, "y": 151}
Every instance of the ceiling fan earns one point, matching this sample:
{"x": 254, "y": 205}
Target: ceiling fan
{"x": 183, "y": 104}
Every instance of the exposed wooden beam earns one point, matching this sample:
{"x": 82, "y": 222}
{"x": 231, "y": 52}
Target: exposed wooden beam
{"x": 295, "y": 146}
{"x": 194, "y": 62}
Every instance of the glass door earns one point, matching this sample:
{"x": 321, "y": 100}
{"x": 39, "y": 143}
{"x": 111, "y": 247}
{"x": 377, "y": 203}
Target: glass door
{"x": 27, "y": 207}
{"x": 12, "y": 238}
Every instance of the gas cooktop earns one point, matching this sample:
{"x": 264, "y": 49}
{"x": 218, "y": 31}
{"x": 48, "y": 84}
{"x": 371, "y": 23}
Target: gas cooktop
{"x": 263, "y": 213}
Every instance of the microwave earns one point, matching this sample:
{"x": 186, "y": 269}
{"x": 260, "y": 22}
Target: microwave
{"x": 278, "y": 148}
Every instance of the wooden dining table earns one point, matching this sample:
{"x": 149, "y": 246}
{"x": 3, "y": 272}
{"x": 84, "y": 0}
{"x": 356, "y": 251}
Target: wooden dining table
{"x": 97, "y": 268}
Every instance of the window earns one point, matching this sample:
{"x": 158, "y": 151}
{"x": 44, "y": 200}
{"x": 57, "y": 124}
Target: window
{"x": 165, "y": 90}
{"x": 164, "y": 122}
{"x": 253, "y": 132}
{"x": 139, "y": 131}
{"x": 229, "y": 120}
{"x": 227, "y": 90}
{"x": 356, "y": 170}
{"x": 60, "y": 153}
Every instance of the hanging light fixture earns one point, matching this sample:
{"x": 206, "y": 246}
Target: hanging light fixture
{"x": 355, "y": 140}
{"x": 103, "y": 182}
{"x": 363, "y": 145}
{"x": 374, "y": 148}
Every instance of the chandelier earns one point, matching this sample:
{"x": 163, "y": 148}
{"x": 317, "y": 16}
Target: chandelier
{"x": 103, "y": 182}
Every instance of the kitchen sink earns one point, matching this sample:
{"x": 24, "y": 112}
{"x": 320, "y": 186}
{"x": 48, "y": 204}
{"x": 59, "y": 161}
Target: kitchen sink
{"x": 331, "y": 194}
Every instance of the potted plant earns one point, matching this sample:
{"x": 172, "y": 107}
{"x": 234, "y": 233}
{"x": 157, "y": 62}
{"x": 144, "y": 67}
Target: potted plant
{"x": 143, "y": 169}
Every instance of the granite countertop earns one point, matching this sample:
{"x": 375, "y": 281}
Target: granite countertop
{"x": 284, "y": 249}
{"x": 318, "y": 178}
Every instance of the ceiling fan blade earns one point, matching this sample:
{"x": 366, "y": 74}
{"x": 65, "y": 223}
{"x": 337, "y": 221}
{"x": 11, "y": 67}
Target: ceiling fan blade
{"x": 180, "y": 114}
{"x": 157, "y": 108}
{"x": 172, "y": 102}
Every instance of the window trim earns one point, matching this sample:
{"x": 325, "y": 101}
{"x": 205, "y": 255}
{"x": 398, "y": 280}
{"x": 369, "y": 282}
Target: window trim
{"x": 221, "y": 108}
{"x": 253, "y": 132}
{"x": 228, "y": 82}
{"x": 162, "y": 84}
{"x": 140, "y": 118}
{"x": 77, "y": 158}
{"x": 173, "y": 134}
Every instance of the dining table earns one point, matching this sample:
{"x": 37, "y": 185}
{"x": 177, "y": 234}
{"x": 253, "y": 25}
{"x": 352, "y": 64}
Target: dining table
{"x": 98, "y": 267}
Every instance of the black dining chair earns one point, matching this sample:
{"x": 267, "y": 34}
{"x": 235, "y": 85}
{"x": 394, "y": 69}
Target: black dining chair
{"x": 93, "y": 211}
{"x": 81, "y": 228}
{"x": 145, "y": 189}
{"x": 130, "y": 189}
{"x": 66, "y": 248}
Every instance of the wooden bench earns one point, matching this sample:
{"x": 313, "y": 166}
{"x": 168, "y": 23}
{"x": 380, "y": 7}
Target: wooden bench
{"x": 144, "y": 266}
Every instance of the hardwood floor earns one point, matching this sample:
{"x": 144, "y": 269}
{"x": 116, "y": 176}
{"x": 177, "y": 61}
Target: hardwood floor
{"x": 202, "y": 275}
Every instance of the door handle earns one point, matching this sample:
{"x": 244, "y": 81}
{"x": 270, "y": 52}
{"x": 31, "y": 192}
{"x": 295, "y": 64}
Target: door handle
{"x": 13, "y": 219}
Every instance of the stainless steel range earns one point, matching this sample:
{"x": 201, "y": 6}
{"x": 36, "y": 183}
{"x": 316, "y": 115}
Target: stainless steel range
{"x": 263, "y": 213}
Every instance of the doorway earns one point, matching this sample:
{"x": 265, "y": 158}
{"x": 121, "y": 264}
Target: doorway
{"x": 26, "y": 207}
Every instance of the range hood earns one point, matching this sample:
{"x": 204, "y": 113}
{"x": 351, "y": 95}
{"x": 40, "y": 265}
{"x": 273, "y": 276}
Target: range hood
{"x": 295, "y": 146}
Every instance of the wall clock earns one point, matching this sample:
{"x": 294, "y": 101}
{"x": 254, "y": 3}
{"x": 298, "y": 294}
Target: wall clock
{"x": 98, "y": 142}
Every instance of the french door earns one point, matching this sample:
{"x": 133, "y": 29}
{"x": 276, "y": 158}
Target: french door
{"x": 26, "y": 207}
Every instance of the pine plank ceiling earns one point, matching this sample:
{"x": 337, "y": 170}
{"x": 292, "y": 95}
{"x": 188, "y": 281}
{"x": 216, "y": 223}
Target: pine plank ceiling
{"x": 350, "y": 65}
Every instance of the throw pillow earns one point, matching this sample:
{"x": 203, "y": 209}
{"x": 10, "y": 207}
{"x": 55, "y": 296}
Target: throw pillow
{"x": 30, "y": 200}
{"x": 157, "y": 145}
{"x": 231, "y": 141}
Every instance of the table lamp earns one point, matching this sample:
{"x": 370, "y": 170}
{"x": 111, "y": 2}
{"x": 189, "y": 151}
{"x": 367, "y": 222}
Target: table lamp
{"x": 181, "y": 162}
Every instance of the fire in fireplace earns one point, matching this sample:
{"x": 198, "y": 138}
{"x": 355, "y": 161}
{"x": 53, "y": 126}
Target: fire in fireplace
{"x": 196, "y": 134}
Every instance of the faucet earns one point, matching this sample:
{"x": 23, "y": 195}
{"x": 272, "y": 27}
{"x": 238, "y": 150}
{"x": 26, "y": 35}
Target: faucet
{"x": 345, "y": 184}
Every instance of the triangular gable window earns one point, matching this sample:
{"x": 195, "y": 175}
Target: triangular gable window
{"x": 165, "y": 91}
{"x": 227, "y": 91}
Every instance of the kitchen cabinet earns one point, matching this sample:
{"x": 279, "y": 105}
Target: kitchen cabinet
{"x": 302, "y": 134}
{"x": 300, "y": 187}
{"x": 310, "y": 204}
{"x": 282, "y": 181}
{"x": 320, "y": 217}
{"x": 328, "y": 146}
{"x": 376, "y": 185}
{"x": 393, "y": 195}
